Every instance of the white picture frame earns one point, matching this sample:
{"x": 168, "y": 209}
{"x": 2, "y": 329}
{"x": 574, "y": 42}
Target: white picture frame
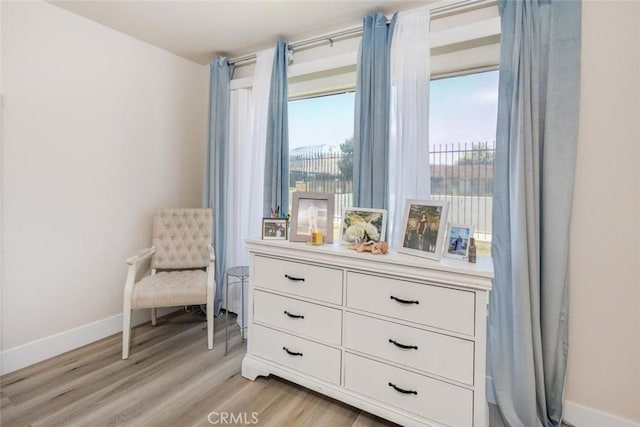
{"x": 311, "y": 211}
{"x": 356, "y": 222}
{"x": 423, "y": 228}
{"x": 456, "y": 244}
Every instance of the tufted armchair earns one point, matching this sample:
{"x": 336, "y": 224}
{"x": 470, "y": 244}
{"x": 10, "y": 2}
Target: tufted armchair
{"x": 182, "y": 268}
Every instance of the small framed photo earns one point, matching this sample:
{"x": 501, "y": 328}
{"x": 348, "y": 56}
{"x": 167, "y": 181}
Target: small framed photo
{"x": 457, "y": 242}
{"x": 363, "y": 224}
{"x": 423, "y": 228}
{"x": 274, "y": 229}
{"x": 311, "y": 211}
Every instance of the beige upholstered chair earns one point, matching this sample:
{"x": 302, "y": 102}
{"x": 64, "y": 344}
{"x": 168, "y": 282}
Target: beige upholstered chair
{"x": 182, "y": 268}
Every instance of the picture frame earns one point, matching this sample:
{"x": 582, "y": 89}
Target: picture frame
{"x": 363, "y": 223}
{"x": 423, "y": 228}
{"x": 274, "y": 229}
{"x": 457, "y": 241}
{"x": 310, "y": 210}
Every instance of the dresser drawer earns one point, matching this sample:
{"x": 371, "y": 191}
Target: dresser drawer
{"x": 299, "y": 317}
{"x": 309, "y": 357}
{"x": 310, "y": 281}
{"x": 434, "y": 353}
{"x": 439, "y": 307}
{"x": 433, "y": 399}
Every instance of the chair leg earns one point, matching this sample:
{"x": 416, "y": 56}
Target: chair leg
{"x": 210, "y": 324}
{"x": 126, "y": 333}
{"x": 154, "y": 320}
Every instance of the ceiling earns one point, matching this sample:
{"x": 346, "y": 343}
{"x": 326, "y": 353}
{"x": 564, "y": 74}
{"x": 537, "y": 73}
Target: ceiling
{"x": 198, "y": 30}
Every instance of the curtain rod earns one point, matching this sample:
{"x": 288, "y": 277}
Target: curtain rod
{"x": 353, "y": 31}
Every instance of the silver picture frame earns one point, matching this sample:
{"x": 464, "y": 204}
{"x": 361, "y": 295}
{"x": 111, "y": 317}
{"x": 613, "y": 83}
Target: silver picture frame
{"x": 310, "y": 210}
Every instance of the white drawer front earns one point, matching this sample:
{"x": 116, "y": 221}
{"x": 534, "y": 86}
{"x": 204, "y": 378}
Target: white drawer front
{"x": 316, "y": 359}
{"x": 299, "y": 317}
{"x": 430, "y": 352}
{"x": 319, "y": 283}
{"x": 439, "y": 307}
{"x": 436, "y": 400}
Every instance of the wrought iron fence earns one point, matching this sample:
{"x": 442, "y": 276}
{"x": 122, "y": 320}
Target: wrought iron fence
{"x": 463, "y": 175}
{"x": 460, "y": 173}
{"x": 319, "y": 169}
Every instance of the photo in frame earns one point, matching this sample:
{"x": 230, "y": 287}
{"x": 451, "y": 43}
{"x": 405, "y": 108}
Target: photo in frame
{"x": 274, "y": 229}
{"x": 423, "y": 228}
{"x": 457, "y": 241}
{"x": 311, "y": 211}
{"x": 362, "y": 225}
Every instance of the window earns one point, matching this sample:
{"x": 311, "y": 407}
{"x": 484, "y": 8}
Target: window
{"x": 321, "y": 147}
{"x": 462, "y": 129}
{"x": 462, "y": 118}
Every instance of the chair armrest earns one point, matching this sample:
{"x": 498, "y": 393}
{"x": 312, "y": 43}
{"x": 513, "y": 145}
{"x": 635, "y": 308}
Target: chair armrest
{"x": 134, "y": 263}
{"x": 141, "y": 255}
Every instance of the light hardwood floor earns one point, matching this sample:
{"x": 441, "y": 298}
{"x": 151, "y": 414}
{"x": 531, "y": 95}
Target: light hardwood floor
{"x": 170, "y": 379}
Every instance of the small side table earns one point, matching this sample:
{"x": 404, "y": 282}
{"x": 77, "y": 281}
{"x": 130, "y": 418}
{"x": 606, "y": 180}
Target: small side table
{"x": 242, "y": 273}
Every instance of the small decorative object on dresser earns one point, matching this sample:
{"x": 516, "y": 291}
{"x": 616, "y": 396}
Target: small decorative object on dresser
{"x": 311, "y": 211}
{"x": 363, "y": 225}
{"x": 316, "y": 237}
{"x": 472, "y": 250}
{"x": 274, "y": 229}
{"x": 392, "y": 335}
{"x": 457, "y": 243}
{"x": 423, "y": 227}
{"x": 374, "y": 247}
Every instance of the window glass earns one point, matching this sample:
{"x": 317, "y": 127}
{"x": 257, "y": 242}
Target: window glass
{"x": 462, "y": 128}
{"x": 321, "y": 148}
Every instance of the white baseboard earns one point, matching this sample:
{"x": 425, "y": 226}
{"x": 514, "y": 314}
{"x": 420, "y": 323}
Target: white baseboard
{"x": 583, "y": 416}
{"x": 27, "y": 354}
{"x": 578, "y": 415}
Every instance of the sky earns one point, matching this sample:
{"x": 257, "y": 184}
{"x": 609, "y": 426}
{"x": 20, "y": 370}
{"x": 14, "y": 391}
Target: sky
{"x": 322, "y": 120}
{"x": 462, "y": 109}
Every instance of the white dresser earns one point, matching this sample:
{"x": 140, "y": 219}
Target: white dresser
{"x": 399, "y": 336}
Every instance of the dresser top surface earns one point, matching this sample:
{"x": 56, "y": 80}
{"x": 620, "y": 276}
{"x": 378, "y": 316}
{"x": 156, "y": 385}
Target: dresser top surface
{"x": 483, "y": 268}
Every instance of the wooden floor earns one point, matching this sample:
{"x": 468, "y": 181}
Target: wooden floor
{"x": 170, "y": 379}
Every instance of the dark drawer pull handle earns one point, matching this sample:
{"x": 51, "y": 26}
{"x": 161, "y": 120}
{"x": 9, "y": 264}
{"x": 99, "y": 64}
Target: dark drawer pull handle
{"x": 295, "y": 316}
{"x": 292, "y": 353}
{"x": 397, "y": 344}
{"x": 295, "y": 279}
{"x": 401, "y": 390}
{"x": 404, "y": 301}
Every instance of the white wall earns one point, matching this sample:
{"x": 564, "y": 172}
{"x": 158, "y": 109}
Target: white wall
{"x": 604, "y": 331}
{"x": 99, "y": 129}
